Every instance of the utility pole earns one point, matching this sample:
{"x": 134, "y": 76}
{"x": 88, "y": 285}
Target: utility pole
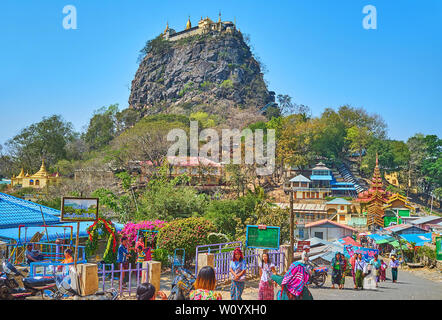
{"x": 292, "y": 230}
{"x": 431, "y": 208}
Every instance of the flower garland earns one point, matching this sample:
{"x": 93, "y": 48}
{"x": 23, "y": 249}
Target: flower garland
{"x": 92, "y": 242}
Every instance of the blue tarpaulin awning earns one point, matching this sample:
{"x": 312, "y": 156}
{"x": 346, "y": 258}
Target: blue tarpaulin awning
{"x": 54, "y": 233}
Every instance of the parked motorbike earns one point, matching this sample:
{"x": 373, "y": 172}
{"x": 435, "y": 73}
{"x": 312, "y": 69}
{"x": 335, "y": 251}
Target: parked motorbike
{"x": 15, "y": 286}
{"x": 182, "y": 284}
{"x": 67, "y": 289}
{"x": 318, "y": 275}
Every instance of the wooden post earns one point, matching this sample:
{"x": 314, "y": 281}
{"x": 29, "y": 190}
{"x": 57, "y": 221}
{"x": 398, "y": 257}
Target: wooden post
{"x": 292, "y": 230}
{"x": 205, "y": 259}
{"x": 155, "y": 273}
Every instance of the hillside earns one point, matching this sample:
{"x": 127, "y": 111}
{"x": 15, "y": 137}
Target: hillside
{"x": 213, "y": 72}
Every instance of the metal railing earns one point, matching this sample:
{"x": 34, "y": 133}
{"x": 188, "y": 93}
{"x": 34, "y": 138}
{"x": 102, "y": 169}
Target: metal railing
{"x": 124, "y": 279}
{"x": 50, "y": 251}
{"x": 223, "y": 256}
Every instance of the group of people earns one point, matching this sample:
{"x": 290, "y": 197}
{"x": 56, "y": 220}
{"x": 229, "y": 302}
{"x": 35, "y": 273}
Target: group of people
{"x": 33, "y": 255}
{"x": 361, "y": 269}
{"x": 293, "y": 283}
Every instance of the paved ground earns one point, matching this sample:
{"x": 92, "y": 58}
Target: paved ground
{"x": 409, "y": 287}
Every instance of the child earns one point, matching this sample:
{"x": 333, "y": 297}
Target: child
{"x": 267, "y": 268}
{"x": 141, "y": 256}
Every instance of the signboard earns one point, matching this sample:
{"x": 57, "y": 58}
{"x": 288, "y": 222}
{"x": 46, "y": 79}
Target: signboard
{"x": 262, "y": 237}
{"x": 367, "y": 253}
{"x": 301, "y": 244}
{"x": 438, "y": 248}
{"x": 79, "y": 209}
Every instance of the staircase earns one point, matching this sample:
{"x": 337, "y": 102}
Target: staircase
{"x": 348, "y": 176}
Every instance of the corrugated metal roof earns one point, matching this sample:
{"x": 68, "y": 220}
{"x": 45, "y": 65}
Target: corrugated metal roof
{"x": 339, "y": 201}
{"x": 15, "y": 211}
{"x": 325, "y": 221}
{"x": 300, "y": 178}
{"x": 425, "y": 220}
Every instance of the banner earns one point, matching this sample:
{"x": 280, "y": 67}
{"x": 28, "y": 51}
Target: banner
{"x": 367, "y": 253}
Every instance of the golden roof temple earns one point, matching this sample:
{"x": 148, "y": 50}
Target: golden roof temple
{"x": 38, "y": 180}
{"x": 204, "y": 26}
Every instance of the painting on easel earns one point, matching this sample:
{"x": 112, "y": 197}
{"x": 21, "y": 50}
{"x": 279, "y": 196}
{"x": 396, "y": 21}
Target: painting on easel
{"x": 79, "y": 209}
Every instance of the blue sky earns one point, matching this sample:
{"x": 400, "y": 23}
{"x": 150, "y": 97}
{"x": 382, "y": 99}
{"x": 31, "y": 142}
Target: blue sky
{"x": 315, "y": 51}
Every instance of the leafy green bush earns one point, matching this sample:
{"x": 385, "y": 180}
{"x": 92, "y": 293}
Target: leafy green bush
{"x": 185, "y": 234}
{"x": 161, "y": 255}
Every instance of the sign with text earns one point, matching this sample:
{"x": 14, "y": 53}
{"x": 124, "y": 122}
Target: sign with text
{"x": 301, "y": 244}
{"x": 262, "y": 237}
{"x": 439, "y": 248}
{"x": 79, "y": 209}
{"x": 367, "y": 253}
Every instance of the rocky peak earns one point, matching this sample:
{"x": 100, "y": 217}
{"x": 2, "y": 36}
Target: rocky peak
{"x": 213, "y": 72}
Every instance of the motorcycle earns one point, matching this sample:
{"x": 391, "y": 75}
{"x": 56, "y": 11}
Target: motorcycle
{"x": 182, "y": 284}
{"x": 66, "y": 288}
{"x": 318, "y": 275}
{"x": 15, "y": 286}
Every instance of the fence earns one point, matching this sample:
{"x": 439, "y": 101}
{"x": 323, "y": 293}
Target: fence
{"x": 223, "y": 255}
{"x": 124, "y": 280}
{"x": 50, "y": 251}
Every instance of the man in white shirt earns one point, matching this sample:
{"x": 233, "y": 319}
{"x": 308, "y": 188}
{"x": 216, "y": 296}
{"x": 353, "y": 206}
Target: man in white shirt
{"x": 304, "y": 256}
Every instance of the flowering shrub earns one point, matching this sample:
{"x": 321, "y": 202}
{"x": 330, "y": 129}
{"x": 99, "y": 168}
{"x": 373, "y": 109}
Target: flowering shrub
{"x": 130, "y": 229}
{"x": 185, "y": 234}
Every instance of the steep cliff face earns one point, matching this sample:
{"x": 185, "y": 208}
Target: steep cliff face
{"x": 215, "y": 73}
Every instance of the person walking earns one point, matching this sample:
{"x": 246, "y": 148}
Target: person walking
{"x": 394, "y": 265}
{"x": 294, "y": 283}
{"x": 359, "y": 272}
{"x": 343, "y": 266}
{"x": 238, "y": 274}
{"x": 205, "y": 284}
{"x": 352, "y": 264}
{"x": 383, "y": 271}
{"x": 336, "y": 270}
{"x": 266, "y": 286}
{"x": 376, "y": 263}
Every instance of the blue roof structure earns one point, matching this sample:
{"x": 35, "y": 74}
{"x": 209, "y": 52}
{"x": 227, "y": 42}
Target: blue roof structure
{"x": 339, "y": 201}
{"x": 54, "y": 233}
{"x": 320, "y": 177}
{"x": 15, "y": 211}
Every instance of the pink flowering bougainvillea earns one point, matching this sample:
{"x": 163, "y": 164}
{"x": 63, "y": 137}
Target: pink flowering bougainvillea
{"x": 130, "y": 229}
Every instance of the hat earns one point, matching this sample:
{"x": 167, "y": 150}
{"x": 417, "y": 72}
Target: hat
{"x": 278, "y": 279}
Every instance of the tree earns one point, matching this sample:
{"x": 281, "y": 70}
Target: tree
{"x": 295, "y": 144}
{"x": 46, "y": 139}
{"x": 359, "y": 139}
{"x": 330, "y": 141}
{"x": 102, "y": 127}
{"x": 146, "y": 141}
{"x": 287, "y": 107}
{"x": 358, "y": 117}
